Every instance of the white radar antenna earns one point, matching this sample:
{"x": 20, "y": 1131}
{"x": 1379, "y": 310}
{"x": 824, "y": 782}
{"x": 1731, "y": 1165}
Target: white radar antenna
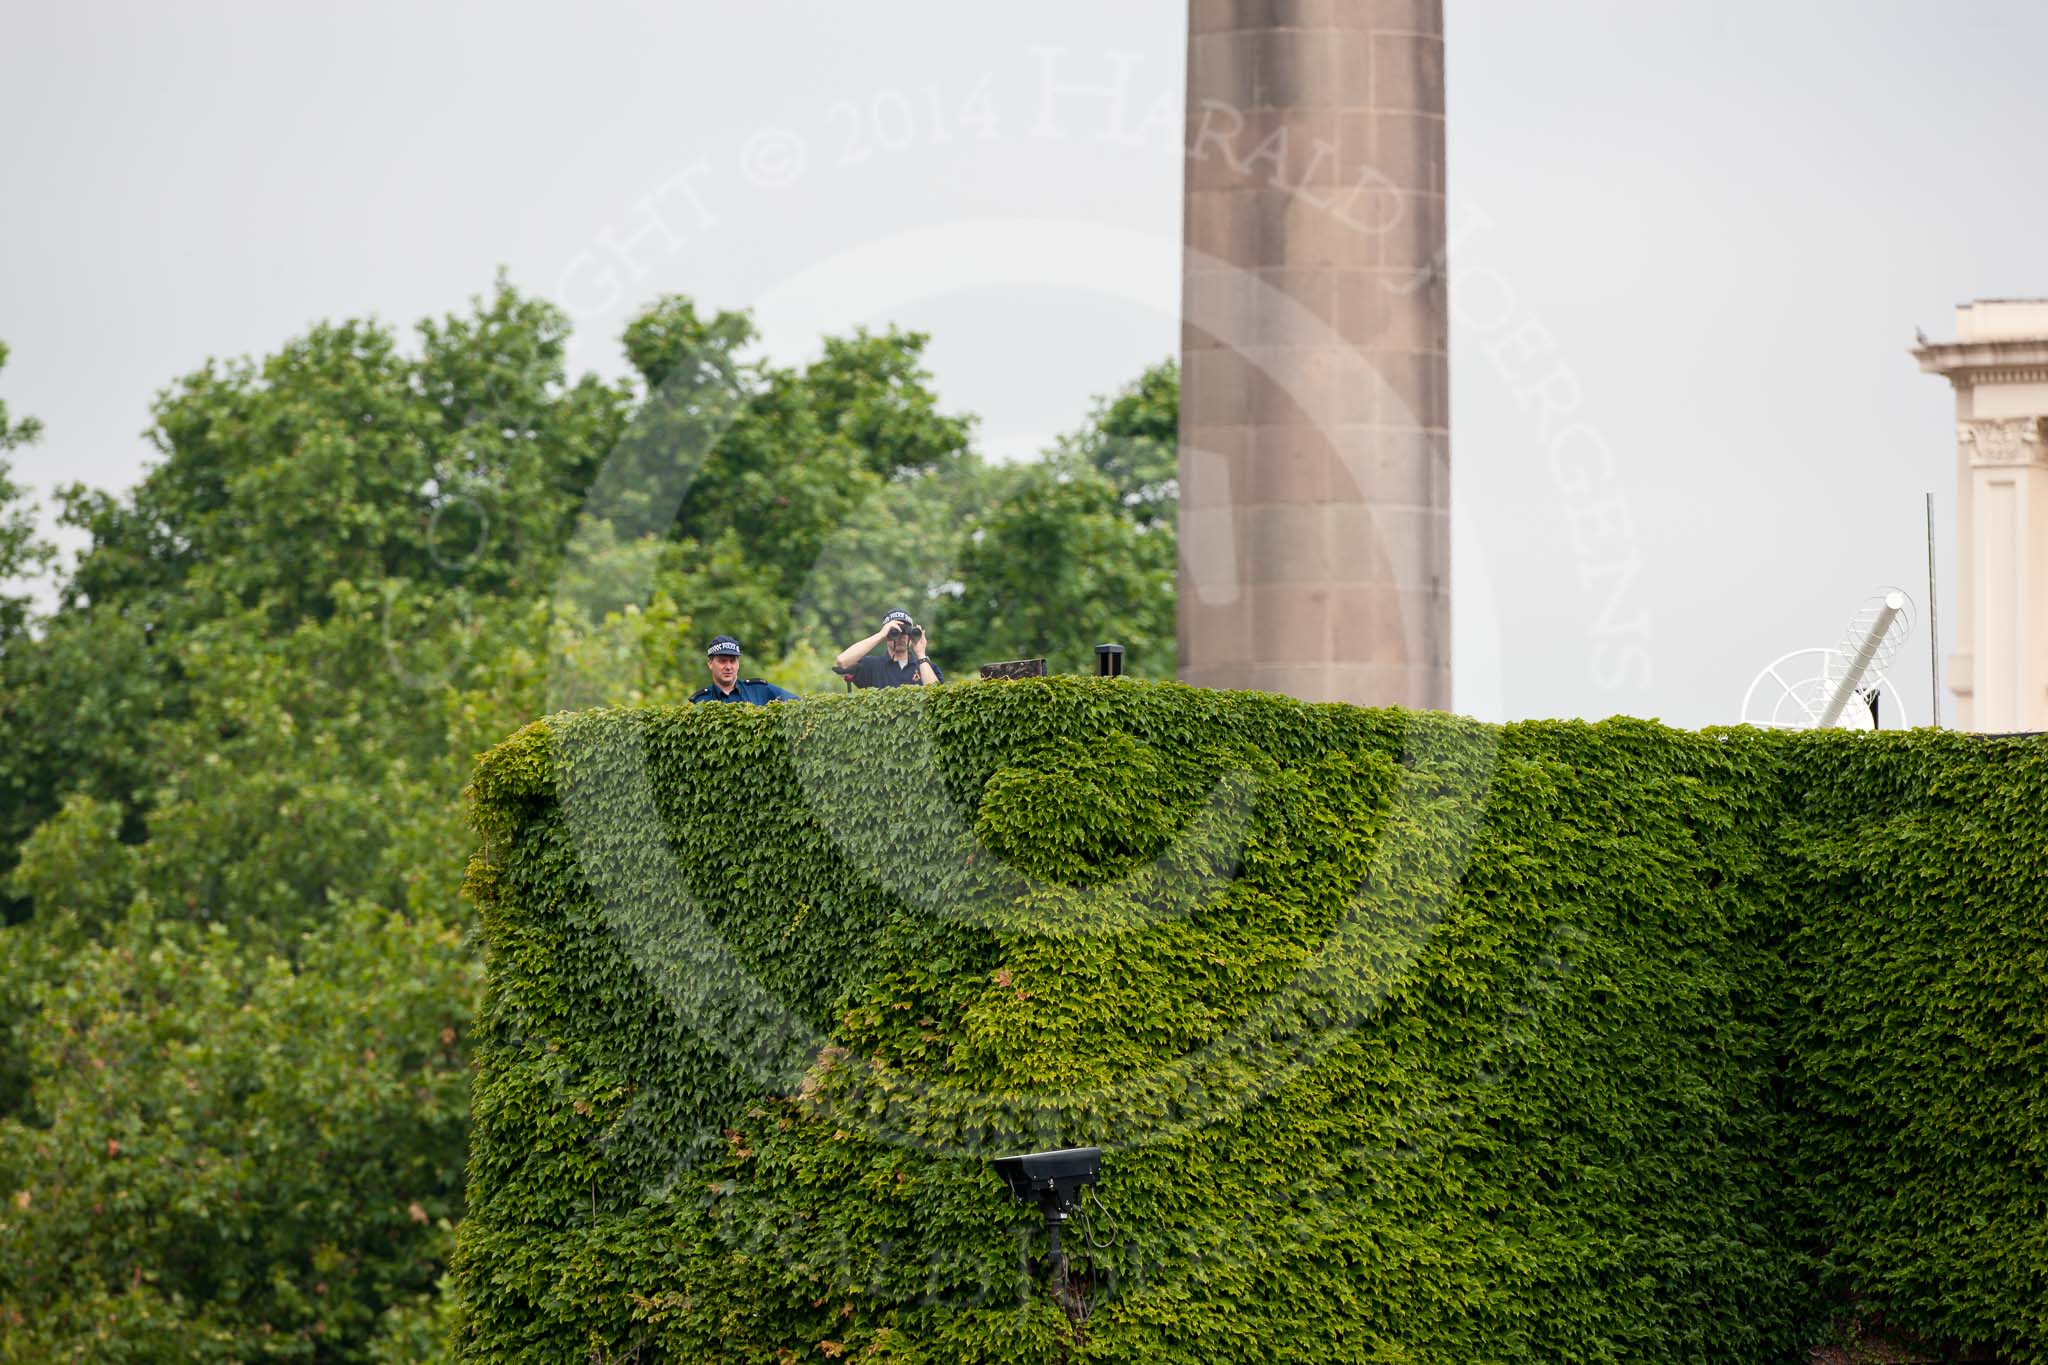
{"x": 1841, "y": 688}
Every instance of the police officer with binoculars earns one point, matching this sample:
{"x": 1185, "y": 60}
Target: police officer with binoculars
{"x": 902, "y": 663}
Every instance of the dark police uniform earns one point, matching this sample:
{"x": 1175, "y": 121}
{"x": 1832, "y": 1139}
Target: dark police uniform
{"x": 752, "y": 691}
{"x": 879, "y": 670}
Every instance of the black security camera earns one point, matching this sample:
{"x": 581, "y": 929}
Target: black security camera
{"x": 1054, "y": 1181}
{"x": 1051, "y": 1180}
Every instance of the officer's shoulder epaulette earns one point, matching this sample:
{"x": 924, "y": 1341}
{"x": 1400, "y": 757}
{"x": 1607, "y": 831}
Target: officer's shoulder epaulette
{"x": 700, "y": 694}
{"x": 762, "y": 681}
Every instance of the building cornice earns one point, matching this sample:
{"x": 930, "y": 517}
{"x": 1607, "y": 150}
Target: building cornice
{"x": 1964, "y": 363}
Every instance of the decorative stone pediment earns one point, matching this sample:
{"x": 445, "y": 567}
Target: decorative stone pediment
{"x": 2006, "y": 440}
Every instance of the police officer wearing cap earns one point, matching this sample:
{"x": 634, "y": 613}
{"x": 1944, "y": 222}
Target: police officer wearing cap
{"x": 902, "y": 664}
{"x": 723, "y": 659}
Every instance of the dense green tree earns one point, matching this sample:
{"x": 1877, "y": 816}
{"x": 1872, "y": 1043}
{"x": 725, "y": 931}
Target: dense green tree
{"x": 872, "y": 389}
{"x": 337, "y": 466}
{"x": 1055, "y": 568}
{"x": 343, "y": 459}
{"x": 22, "y": 551}
{"x": 767, "y": 469}
{"x": 79, "y": 870}
{"x": 231, "y": 760}
{"x": 313, "y": 765}
{"x": 78, "y": 701}
{"x": 1133, "y": 440}
{"x": 1079, "y": 549}
{"x": 236, "y": 1160}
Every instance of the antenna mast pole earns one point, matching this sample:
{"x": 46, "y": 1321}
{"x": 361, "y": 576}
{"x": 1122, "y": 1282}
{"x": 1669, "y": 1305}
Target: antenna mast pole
{"x": 1933, "y": 621}
{"x": 1894, "y": 603}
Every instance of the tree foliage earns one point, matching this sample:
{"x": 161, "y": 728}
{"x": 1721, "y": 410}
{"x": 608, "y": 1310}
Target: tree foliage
{"x": 1133, "y": 440}
{"x": 343, "y": 459}
{"x": 231, "y": 761}
{"x": 1080, "y": 549}
{"x": 22, "y": 551}
{"x": 234, "y": 1158}
{"x": 1057, "y": 565}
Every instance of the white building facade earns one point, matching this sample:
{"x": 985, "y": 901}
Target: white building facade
{"x": 1998, "y": 365}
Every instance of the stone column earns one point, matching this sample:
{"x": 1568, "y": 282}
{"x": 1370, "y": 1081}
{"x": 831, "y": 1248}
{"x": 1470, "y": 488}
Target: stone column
{"x": 1999, "y": 368}
{"x": 1314, "y": 438}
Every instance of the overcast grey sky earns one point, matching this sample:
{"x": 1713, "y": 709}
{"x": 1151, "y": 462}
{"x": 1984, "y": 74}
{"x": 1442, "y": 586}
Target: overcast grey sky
{"x": 1716, "y": 224}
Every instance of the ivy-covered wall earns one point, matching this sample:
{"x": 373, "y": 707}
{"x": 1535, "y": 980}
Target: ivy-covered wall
{"x": 1406, "y": 1038}
{"x": 1917, "y": 1051}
